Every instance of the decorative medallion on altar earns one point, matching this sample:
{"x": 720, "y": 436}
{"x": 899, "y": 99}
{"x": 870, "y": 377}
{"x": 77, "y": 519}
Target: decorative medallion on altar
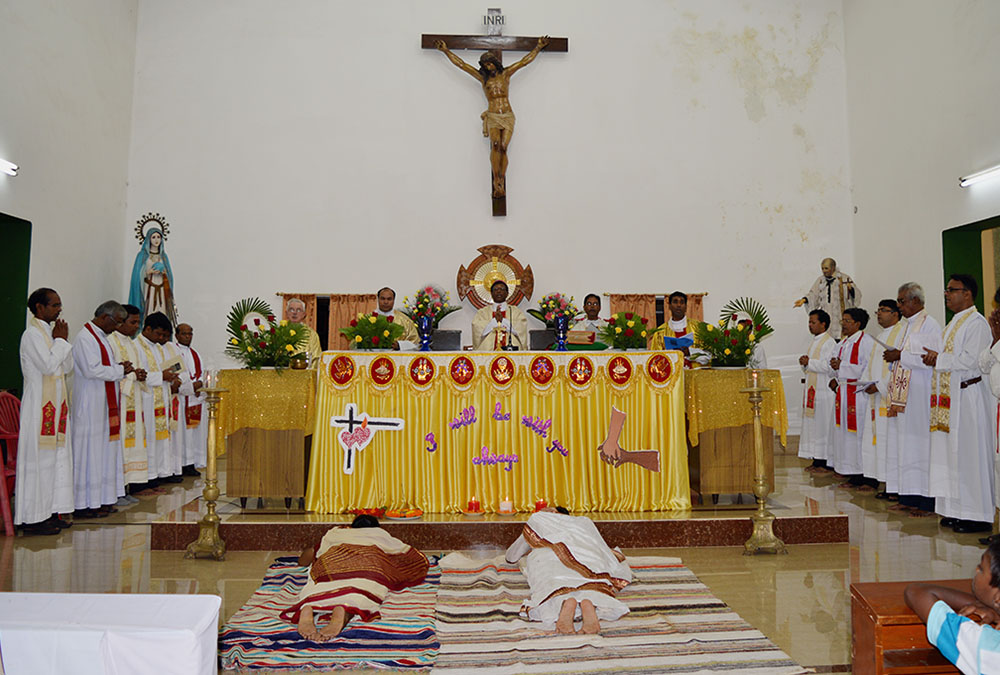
{"x": 580, "y": 371}
{"x": 495, "y": 264}
{"x": 620, "y": 370}
{"x": 462, "y": 370}
{"x": 421, "y": 371}
{"x": 342, "y": 370}
{"x": 542, "y": 370}
{"x": 382, "y": 370}
{"x": 658, "y": 368}
{"x": 502, "y": 370}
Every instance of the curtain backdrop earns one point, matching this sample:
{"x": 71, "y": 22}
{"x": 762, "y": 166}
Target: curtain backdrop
{"x": 343, "y": 308}
{"x": 643, "y": 304}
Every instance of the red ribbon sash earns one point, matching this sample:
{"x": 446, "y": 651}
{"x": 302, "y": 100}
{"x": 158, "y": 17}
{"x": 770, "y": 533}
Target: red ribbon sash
{"x": 110, "y": 392}
{"x": 192, "y": 413}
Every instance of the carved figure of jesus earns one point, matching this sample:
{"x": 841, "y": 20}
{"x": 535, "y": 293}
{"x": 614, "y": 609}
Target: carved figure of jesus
{"x": 498, "y": 119}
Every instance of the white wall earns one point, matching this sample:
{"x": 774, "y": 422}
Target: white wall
{"x": 64, "y": 118}
{"x": 923, "y": 91}
{"x": 313, "y": 146}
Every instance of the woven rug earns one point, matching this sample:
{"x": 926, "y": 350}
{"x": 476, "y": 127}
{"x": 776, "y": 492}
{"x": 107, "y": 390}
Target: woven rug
{"x": 256, "y": 638}
{"x": 675, "y": 626}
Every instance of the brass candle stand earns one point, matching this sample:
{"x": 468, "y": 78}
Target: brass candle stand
{"x": 762, "y": 539}
{"x": 209, "y": 543}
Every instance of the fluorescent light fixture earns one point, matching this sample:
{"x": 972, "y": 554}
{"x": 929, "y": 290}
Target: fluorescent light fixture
{"x": 980, "y": 176}
{"x": 8, "y": 168}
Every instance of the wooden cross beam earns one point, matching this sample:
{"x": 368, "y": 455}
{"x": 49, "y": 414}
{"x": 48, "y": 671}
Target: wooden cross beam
{"x": 497, "y": 128}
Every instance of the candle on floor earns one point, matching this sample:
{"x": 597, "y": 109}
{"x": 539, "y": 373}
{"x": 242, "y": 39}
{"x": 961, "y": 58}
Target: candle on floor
{"x": 506, "y": 505}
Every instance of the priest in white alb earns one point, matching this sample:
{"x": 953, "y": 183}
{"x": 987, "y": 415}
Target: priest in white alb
{"x": 850, "y": 362}
{"x": 295, "y": 311}
{"x": 833, "y": 292}
{"x": 192, "y": 433}
{"x": 963, "y": 428}
{"x": 499, "y": 325}
{"x": 98, "y": 480}
{"x": 164, "y": 457}
{"x": 43, "y": 487}
{"x": 876, "y": 440}
{"x": 816, "y": 437}
{"x": 910, "y": 402}
{"x": 409, "y": 340}
{"x": 135, "y": 462}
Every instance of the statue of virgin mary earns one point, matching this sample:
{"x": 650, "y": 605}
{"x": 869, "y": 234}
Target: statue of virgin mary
{"x": 152, "y": 284}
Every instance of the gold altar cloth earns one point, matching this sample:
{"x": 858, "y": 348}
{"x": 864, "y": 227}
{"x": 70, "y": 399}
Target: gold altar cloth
{"x": 452, "y": 406}
{"x": 714, "y": 401}
{"x": 266, "y": 399}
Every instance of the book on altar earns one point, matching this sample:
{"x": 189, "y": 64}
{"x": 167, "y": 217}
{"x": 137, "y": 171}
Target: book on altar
{"x": 581, "y": 337}
{"x": 677, "y": 342}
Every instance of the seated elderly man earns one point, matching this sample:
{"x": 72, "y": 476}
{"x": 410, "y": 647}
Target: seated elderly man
{"x": 571, "y": 572}
{"x": 351, "y": 570}
{"x": 295, "y": 311}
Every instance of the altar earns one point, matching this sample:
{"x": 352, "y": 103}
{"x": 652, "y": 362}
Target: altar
{"x": 433, "y": 430}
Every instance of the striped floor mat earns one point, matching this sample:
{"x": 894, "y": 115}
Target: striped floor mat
{"x": 675, "y": 626}
{"x": 255, "y": 638}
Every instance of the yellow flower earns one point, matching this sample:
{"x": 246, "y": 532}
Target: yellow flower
{"x": 357, "y": 338}
{"x": 292, "y": 333}
{"x": 642, "y": 334}
{"x": 371, "y": 319}
{"x": 709, "y": 327}
{"x": 284, "y": 322}
{"x": 249, "y": 349}
{"x": 722, "y": 323}
{"x": 614, "y": 316}
{"x": 618, "y": 329}
{"x": 739, "y": 327}
{"x": 752, "y": 337}
{"x": 385, "y": 333}
{"x": 233, "y": 341}
{"x": 630, "y": 324}
{"x": 289, "y": 348}
{"x": 727, "y": 352}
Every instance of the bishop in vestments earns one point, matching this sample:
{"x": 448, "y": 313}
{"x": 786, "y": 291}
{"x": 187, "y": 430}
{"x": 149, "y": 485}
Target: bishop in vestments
{"x": 500, "y": 325}
{"x": 44, "y": 480}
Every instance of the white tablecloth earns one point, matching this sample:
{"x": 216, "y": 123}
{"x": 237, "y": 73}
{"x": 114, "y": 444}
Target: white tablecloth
{"x": 110, "y": 634}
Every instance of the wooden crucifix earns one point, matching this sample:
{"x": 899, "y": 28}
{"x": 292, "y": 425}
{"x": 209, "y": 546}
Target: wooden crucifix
{"x": 498, "y": 119}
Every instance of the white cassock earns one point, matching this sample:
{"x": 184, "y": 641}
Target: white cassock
{"x": 193, "y": 415}
{"x": 851, "y": 406}
{"x": 816, "y": 436}
{"x": 44, "y": 481}
{"x": 832, "y": 295}
{"x": 490, "y": 335}
{"x": 989, "y": 365}
{"x": 97, "y": 446}
{"x": 962, "y": 422}
{"x": 164, "y": 458}
{"x": 909, "y": 431}
{"x": 135, "y": 460}
{"x": 877, "y": 429}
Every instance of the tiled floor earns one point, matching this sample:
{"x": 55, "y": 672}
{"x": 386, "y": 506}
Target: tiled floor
{"x": 801, "y": 601}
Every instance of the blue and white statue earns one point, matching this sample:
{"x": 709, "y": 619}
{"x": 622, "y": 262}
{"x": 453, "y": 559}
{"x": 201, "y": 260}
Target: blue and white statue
{"x": 152, "y": 285}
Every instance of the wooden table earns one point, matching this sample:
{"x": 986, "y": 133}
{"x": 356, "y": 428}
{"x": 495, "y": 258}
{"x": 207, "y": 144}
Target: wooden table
{"x": 887, "y": 637}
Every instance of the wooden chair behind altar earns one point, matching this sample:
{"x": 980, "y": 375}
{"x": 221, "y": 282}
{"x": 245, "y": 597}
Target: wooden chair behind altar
{"x": 310, "y": 302}
{"x": 343, "y": 308}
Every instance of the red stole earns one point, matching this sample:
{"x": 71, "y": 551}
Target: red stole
{"x": 110, "y": 392}
{"x": 851, "y": 390}
{"x": 192, "y": 413}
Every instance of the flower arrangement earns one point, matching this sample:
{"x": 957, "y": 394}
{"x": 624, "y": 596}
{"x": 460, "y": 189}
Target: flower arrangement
{"x": 553, "y": 305}
{"x": 742, "y": 324}
{"x": 429, "y": 301}
{"x": 255, "y": 338}
{"x": 625, "y": 330}
{"x": 372, "y": 331}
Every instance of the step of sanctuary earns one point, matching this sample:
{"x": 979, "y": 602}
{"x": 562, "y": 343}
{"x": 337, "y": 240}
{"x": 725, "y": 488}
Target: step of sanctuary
{"x": 275, "y": 528}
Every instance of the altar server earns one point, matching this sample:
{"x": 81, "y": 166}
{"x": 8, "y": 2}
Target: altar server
{"x": 963, "y": 430}
{"x": 192, "y": 434}
{"x": 387, "y": 308}
{"x": 816, "y": 437}
{"x": 910, "y": 402}
{"x": 833, "y": 292}
{"x": 43, "y": 486}
{"x": 96, "y": 415}
{"x": 295, "y": 311}
{"x": 135, "y": 461}
{"x": 876, "y": 441}
{"x": 500, "y": 325}
{"x": 164, "y": 457}
{"x": 851, "y": 406}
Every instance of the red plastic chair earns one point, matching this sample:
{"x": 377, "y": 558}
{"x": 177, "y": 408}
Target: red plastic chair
{"x": 10, "y": 423}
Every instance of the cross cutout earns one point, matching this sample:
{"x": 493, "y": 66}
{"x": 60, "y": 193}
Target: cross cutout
{"x": 498, "y": 120}
{"x": 357, "y": 435}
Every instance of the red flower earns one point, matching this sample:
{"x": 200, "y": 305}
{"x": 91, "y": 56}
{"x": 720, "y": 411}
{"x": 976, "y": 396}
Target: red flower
{"x": 628, "y": 315}
{"x": 272, "y": 330}
{"x": 256, "y": 321}
{"x": 376, "y": 314}
{"x": 610, "y": 320}
{"x": 354, "y": 322}
{"x": 243, "y": 327}
{"x": 726, "y": 332}
{"x": 629, "y": 332}
{"x": 374, "y": 339}
{"x": 270, "y": 317}
{"x": 733, "y": 341}
{"x": 734, "y": 317}
{"x": 389, "y": 318}
{"x": 642, "y": 320}
{"x": 262, "y": 344}
{"x": 757, "y": 327}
